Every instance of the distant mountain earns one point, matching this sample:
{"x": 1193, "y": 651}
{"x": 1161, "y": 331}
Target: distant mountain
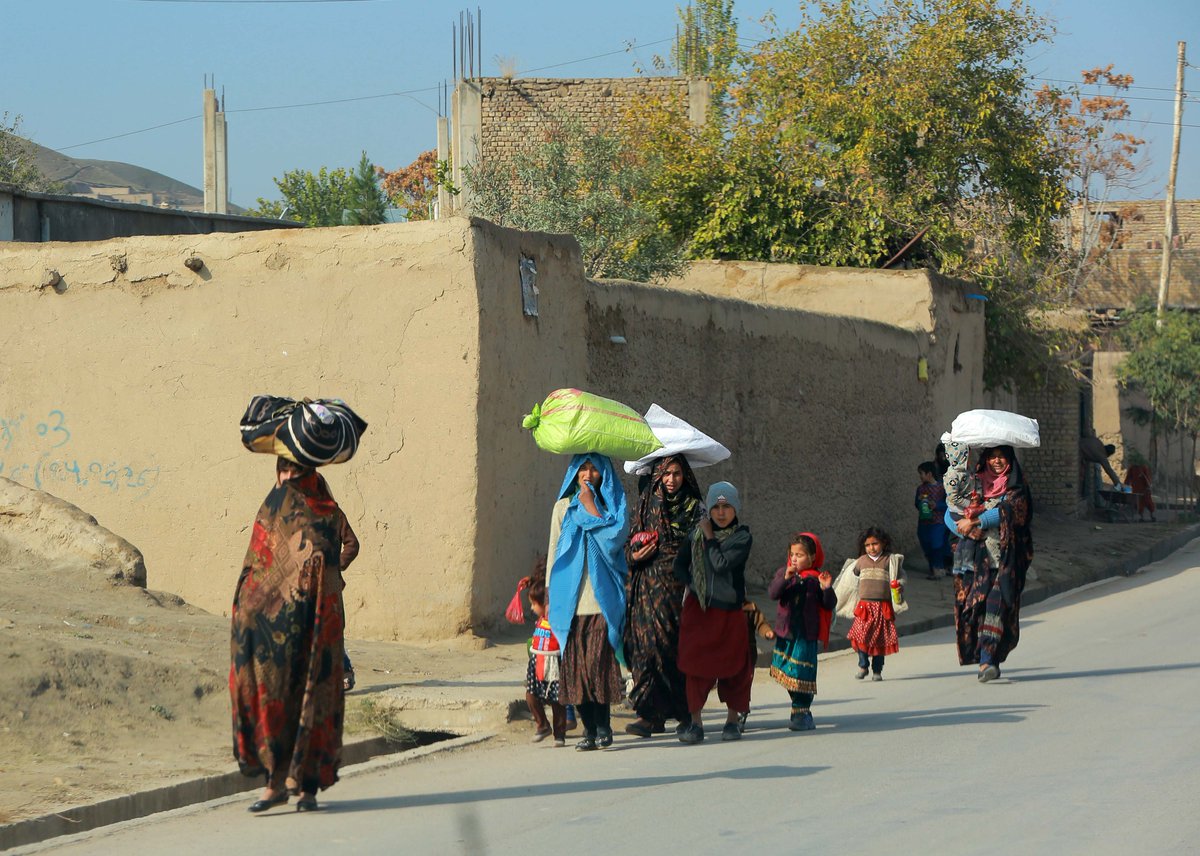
{"x": 120, "y": 182}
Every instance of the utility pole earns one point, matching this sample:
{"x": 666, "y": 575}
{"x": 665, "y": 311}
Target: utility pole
{"x": 1165, "y": 274}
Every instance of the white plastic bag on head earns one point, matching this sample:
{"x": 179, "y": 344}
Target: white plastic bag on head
{"x": 982, "y": 428}
{"x": 678, "y": 438}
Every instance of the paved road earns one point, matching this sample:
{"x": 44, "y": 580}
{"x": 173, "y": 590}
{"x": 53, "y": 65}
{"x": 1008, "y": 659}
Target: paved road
{"x": 1087, "y": 744}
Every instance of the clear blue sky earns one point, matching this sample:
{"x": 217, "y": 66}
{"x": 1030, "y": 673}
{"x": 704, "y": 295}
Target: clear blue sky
{"x": 83, "y": 70}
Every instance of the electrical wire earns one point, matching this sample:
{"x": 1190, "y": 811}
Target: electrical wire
{"x": 127, "y": 134}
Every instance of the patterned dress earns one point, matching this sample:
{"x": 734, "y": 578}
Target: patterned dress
{"x": 655, "y": 598}
{"x": 285, "y": 678}
{"x": 987, "y": 598}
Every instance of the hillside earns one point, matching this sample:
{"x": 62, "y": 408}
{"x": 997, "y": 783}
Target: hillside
{"x": 121, "y": 182}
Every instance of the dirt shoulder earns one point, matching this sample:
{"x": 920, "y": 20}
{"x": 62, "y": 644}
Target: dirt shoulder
{"x": 108, "y": 689}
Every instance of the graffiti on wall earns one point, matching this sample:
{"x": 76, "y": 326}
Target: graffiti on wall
{"x": 36, "y": 451}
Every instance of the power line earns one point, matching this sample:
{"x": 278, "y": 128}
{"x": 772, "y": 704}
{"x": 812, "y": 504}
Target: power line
{"x": 597, "y": 56}
{"x": 406, "y": 93}
{"x": 127, "y": 134}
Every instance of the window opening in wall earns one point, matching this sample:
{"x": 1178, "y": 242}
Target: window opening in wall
{"x": 529, "y": 289}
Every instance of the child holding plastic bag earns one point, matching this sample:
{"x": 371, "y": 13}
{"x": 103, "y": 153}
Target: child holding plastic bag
{"x": 871, "y": 590}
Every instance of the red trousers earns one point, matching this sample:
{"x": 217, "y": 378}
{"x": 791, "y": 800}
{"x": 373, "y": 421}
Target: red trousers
{"x": 734, "y": 691}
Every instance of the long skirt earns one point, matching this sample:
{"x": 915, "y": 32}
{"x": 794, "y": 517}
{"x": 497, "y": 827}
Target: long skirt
{"x": 874, "y": 630}
{"x": 985, "y": 629}
{"x": 288, "y": 700}
{"x": 655, "y": 601}
{"x": 794, "y": 665}
{"x": 590, "y": 671}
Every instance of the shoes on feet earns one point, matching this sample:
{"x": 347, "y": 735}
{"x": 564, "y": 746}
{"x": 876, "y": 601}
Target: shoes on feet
{"x": 862, "y": 673}
{"x": 604, "y": 737}
{"x": 640, "y": 728}
{"x": 988, "y": 673}
{"x": 693, "y": 733}
{"x": 731, "y": 731}
{"x": 308, "y": 802}
{"x": 560, "y": 742}
{"x": 741, "y": 723}
{"x": 539, "y": 736}
{"x": 348, "y": 680}
{"x": 587, "y": 744}
{"x": 262, "y": 805}
{"x": 801, "y": 721}
{"x": 877, "y": 676}
{"x": 682, "y": 726}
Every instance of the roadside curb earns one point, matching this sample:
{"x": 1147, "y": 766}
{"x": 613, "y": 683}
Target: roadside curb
{"x": 359, "y": 757}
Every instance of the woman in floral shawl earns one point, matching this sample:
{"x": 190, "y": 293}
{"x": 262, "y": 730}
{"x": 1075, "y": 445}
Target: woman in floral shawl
{"x": 993, "y": 556}
{"x": 668, "y": 510}
{"x": 286, "y": 673}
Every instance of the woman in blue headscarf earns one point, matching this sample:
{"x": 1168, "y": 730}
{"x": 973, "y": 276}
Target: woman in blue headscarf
{"x": 585, "y": 583}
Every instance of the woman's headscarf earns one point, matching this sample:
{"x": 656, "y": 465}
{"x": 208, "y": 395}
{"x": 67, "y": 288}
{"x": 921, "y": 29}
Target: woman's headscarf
{"x": 672, "y": 515}
{"x": 998, "y": 484}
{"x": 597, "y": 543}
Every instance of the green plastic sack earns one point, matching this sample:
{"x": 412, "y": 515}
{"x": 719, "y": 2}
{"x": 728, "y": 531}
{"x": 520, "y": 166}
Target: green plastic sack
{"x": 572, "y": 422}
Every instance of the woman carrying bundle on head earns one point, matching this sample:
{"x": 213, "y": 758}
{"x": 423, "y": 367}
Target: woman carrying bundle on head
{"x": 585, "y": 583}
{"x": 991, "y": 509}
{"x": 668, "y": 510}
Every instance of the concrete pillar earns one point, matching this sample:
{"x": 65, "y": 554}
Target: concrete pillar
{"x": 467, "y": 112}
{"x": 216, "y": 160}
{"x": 210, "y": 157}
{"x": 444, "y": 198}
{"x": 221, "y": 158}
{"x": 699, "y": 100}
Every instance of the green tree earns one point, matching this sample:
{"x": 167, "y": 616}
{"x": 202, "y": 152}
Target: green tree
{"x": 315, "y": 199}
{"x": 17, "y": 163}
{"x": 873, "y": 125}
{"x": 1164, "y": 365}
{"x": 590, "y": 184}
{"x": 368, "y": 202}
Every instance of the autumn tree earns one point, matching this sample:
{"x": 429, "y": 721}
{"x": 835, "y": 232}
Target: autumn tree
{"x": 414, "y": 188}
{"x": 1100, "y": 160}
{"x": 590, "y": 184}
{"x": 875, "y": 127}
